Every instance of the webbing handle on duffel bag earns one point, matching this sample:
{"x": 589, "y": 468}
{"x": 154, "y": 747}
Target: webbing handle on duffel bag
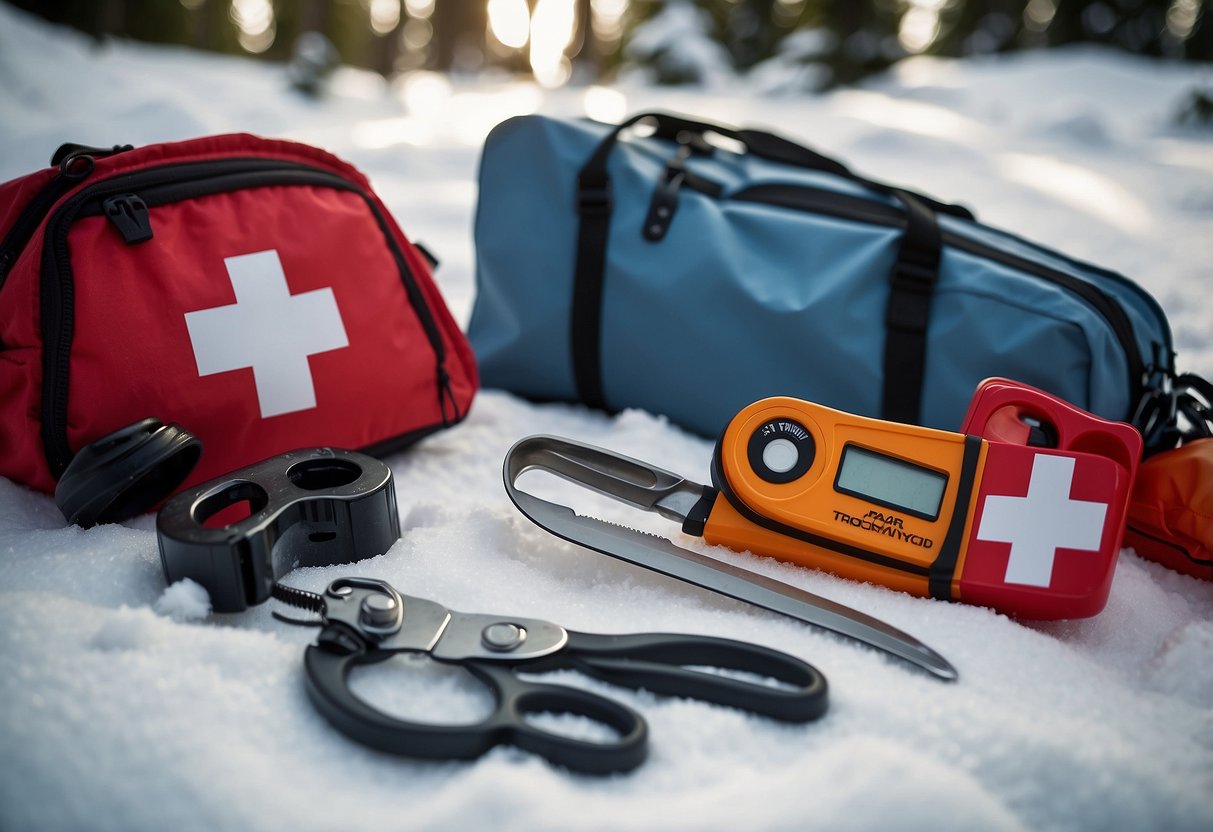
{"x": 1173, "y": 411}
{"x": 911, "y": 281}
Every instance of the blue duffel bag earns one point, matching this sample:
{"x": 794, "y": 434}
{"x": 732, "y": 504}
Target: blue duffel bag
{"x": 667, "y": 273}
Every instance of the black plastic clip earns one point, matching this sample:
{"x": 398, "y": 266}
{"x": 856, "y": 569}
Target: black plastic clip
{"x": 912, "y": 284}
{"x": 594, "y": 199}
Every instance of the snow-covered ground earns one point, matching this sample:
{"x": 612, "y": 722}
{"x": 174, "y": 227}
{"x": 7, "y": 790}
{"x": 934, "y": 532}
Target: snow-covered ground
{"x": 113, "y": 716}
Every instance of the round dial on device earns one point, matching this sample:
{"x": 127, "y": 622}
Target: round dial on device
{"x": 781, "y": 450}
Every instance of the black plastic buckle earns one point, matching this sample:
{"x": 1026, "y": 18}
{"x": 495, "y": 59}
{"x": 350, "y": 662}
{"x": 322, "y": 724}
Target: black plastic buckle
{"x": 914, "y": 276}
{"x": 910, "y": 289}
{"x": 594, "y": 200}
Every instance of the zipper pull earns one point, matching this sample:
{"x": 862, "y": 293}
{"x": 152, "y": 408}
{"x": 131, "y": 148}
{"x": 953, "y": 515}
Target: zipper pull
{"x": 665, "y": 196}
{"x": 76, "y": 161}
{"x": 662, "y": 206}
{"x": 128, "y": 213}
{"x": 428, "y": 255}
{"x": 446, "y": 394}
{"x": 72, "y": 149}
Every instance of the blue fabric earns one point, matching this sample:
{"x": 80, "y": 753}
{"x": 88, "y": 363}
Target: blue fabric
{"x": 743, "y": 300}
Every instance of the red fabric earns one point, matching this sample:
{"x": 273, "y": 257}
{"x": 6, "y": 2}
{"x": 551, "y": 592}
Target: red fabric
{"x": 132, "y": 354}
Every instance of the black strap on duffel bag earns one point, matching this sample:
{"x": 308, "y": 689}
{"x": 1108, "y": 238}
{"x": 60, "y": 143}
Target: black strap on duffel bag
{"x": 912, "y": 280}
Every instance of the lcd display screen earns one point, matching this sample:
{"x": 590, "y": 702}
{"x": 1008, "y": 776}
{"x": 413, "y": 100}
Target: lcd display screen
{"x": 890, "y": 482}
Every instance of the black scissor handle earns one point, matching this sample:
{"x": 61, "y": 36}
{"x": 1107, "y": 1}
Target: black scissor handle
{"x": 327, "y": 671}
{"x": 516, "y": 698}
{"x": 661, "y": 663}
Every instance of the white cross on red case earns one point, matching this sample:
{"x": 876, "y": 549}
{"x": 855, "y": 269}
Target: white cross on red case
{"x": 1042, "y": 521}
{"x": 1045, "y": 532}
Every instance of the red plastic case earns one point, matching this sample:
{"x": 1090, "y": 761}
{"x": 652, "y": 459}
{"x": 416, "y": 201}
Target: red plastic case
{"x": 1050, "y": 513}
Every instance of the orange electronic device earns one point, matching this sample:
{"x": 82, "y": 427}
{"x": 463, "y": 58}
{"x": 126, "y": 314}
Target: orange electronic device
{"x": 1023, "y": 510}
{"x": 1028, "y": 521}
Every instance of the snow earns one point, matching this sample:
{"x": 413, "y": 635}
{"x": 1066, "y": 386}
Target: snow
{"x": 184, "y": 600}
{"x": 124, "y": 706}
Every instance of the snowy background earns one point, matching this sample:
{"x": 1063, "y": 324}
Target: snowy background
{"x": 114, "y": 714}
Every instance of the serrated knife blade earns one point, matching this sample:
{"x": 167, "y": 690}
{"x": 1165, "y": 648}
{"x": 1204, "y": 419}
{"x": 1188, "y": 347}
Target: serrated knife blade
{"x": 660, "y": 555}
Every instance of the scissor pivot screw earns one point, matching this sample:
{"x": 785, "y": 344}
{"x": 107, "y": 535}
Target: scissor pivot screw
{"x": 502, "y": 636}
{"x": 379, "y": 610}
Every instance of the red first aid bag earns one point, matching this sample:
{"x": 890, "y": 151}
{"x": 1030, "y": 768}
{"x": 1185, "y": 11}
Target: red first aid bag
{"x": 255, "y": 292}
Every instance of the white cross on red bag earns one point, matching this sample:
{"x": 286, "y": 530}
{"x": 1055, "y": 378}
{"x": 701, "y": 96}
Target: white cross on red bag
{"x": 269, "y": 330}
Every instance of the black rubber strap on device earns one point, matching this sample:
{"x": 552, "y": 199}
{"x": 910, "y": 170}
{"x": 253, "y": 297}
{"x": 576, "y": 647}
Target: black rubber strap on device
{"x": 943, "y": 569}
{"x": 912, "y": 281}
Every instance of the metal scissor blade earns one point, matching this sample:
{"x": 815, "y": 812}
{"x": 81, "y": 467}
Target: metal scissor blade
{"x": 660, "y": 555}
{"x": 613, "y": 475}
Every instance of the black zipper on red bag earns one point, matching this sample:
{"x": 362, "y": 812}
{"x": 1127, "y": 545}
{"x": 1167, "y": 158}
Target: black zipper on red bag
{"x": 858, "y": 209}
{"x": 75, "y": 163}
{"x": 28, "y": 220}
{"x": 120, "y": 198}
